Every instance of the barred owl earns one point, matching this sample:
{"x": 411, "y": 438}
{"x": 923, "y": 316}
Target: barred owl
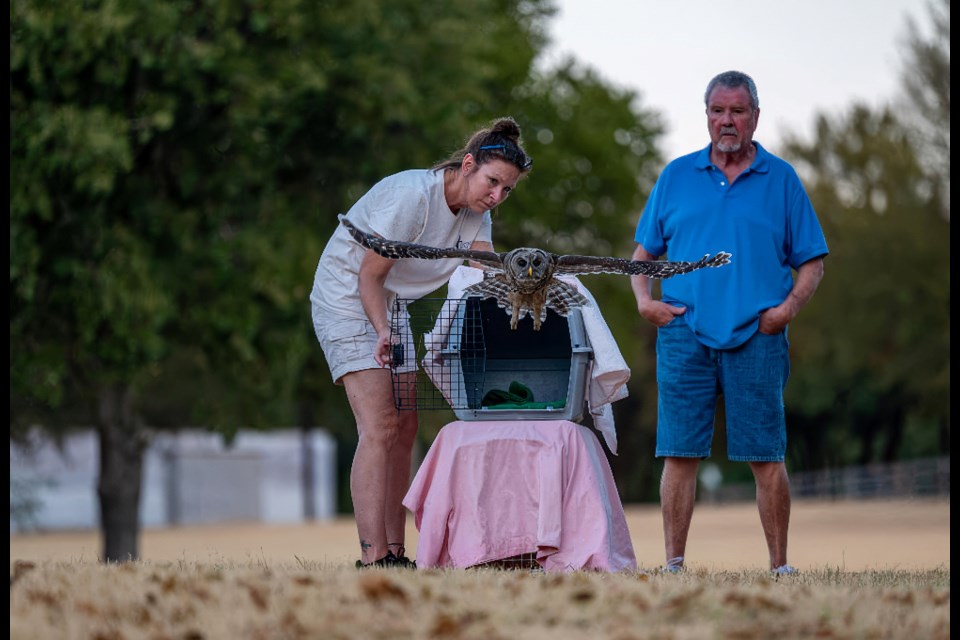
{"x": 523, "y": 280}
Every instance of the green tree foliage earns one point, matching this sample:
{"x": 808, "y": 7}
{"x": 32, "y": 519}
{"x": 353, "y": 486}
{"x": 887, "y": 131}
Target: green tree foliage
{"x": 871, "y": 371}
{"x": 926, "y": 97}
{"x": 872, "y": 374}
{"x": 594, "y": 148}
{"x": 177, "y": 168}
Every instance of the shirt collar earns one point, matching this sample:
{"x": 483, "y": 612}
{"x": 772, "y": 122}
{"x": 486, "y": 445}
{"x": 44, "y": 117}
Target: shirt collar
{"x": 760, "y": 164}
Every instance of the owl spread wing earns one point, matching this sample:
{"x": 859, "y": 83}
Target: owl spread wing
{"x": 492, "y": 286}
{"x": 562, "y": 297}
{"x": 660, "y": 269}
{"x": 396, "y": 250}
{"x": 523, "y": 281}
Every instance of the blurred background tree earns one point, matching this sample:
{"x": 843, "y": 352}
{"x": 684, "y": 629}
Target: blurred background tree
{"x": 872, "y": 376}
{"x": 924, "y": 106}
{"x": 177, "y": 168}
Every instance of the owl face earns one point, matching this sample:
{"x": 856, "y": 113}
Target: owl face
{"x": 528, "y": 269}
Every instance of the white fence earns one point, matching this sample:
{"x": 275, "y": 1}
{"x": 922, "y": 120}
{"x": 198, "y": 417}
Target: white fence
{"x": 188, "y": 478}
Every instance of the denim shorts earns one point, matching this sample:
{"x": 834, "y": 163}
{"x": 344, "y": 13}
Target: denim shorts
{"x": 348, "y": 345}
{"x": 691, "y": 378}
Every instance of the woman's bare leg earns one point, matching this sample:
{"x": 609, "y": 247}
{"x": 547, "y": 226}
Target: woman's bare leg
{"x": 377, "y": 485}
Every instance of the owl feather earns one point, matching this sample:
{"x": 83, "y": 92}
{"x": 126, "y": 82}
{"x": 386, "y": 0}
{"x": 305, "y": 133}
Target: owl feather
{"x": 523, "y": 281}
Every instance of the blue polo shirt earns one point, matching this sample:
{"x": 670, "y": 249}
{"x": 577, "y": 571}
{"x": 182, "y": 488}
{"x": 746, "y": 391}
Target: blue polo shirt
{"x": 764, "y": 219}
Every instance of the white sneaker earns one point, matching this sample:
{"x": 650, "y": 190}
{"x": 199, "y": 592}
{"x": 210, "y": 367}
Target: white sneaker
{"x": 783, "y": 570}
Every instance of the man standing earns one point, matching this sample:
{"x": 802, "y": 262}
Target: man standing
{"x": 723, "y": 332}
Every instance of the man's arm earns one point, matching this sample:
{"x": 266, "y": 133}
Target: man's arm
{"x": 654, "y": 311}
{"x": 809, "y": 275}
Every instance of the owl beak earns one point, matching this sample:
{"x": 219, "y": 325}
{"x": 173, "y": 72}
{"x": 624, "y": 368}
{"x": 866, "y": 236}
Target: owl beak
{"x": 530, "y": 271}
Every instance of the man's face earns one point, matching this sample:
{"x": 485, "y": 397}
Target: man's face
{"x": 731, "y": 119}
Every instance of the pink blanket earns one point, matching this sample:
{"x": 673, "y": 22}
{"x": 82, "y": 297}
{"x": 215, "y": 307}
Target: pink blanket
{"x": 493, "y": 490}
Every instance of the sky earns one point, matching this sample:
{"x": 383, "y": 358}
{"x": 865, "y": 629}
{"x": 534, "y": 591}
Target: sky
{"x": 806, "y": 56}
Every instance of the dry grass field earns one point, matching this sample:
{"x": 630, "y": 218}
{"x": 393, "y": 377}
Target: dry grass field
{"x": 873, "y": 569}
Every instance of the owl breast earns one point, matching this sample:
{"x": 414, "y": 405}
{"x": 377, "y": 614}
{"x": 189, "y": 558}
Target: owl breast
{"x": 528, "y": 270}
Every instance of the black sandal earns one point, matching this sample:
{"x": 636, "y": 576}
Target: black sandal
{"x": 400, "y": 559}
{"x": 386, "y": 561}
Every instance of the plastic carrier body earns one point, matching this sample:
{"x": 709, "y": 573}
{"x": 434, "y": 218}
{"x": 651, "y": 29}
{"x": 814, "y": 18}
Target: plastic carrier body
{"x": 551, "y": 363}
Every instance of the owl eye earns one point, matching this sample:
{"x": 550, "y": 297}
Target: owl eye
{"x": 537, "y": 261}
{"x": 522, "y": 262}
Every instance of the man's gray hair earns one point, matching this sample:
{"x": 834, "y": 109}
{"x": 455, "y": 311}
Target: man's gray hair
{"x": 733, "y": 80}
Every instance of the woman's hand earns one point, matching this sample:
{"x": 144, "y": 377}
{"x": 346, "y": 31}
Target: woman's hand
{"x": 383, "y": 352}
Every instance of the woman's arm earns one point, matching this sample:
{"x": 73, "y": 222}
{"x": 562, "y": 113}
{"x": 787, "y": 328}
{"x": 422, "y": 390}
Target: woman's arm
{"x": 373, "y": 273}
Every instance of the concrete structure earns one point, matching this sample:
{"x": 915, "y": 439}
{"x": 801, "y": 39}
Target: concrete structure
{"x": 189, "y": 477}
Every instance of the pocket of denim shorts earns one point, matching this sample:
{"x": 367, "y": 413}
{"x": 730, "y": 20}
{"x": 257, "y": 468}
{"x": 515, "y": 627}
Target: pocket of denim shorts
{"x": 674, "y": 321}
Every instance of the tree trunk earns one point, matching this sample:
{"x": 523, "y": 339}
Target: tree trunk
{"x": 122, "y": 445}
{"x": 894, "y": 431}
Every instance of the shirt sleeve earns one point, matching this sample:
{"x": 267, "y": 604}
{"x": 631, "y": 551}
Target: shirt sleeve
{"x": 805, "y": 233}
{"x": 649, "y": 232}
{"x": 398, "y": 214}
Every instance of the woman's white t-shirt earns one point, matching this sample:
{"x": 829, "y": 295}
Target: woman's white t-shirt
{"x": 409, "y": 206}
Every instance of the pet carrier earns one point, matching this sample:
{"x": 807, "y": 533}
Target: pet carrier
{"x": 475, "y": 364}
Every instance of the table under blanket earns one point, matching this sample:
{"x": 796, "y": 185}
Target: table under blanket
{"x": 492, "y": 490}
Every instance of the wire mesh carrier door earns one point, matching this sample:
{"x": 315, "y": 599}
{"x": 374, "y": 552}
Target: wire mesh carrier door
{"x": 466, "y": 357}
{"x": 444, "y": 336}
